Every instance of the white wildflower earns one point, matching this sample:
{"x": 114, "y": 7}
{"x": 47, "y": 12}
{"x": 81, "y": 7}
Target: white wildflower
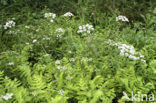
{"x": 7, "y": 96}
{"x": 59, "y": 35}
{"x": 10, "y": 63}
{"x": 37, "y": 30}
{"x": 34, "y": 40}
{"x": 133, "y": 57}
{"x": 69, "y": 52}
{"x": 72, "y": 59}
{"x": 68, "y": 14}
{"x": 143, "y": 60}
{"x": 142, "y": 56}
{"x": 122, "y": 18}
{"x": 27, "y": 27}
{"x": 61, "y": 68}
{"x": 59, "y": 32}
{"x": 143, "y": 28}
{"x": 85, "y": 29}
{"x": 13, "y": 18}
{"x": 47, "y": 55}
{"x": 52, "y": 15}
{"x": 9, "y": 24}
{"x": 27, "y": 43}
{"x": 46, "y": 38}
{"x": 58, "y": 62}
{"x": 80, "y": 27}
{"x": 51, "y": 20}
{"x": 61, "y": 92}
{"x": 128, "y": 51}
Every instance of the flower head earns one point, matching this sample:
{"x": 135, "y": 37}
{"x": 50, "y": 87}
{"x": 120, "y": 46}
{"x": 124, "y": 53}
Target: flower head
{"x": 122, "y": 18}
{"x": 85, "y": 29}
{"x": 61, "y": 68}
{"x": 34, "y": 40}
{"x": 59, "y": 32}
{"x": 27, "y": 27}
{"x": 68, "y": 14}
{"x": 10, "y": 63}
{"x": 61, "y": 92}
{"x": 7, "y": 96}
{"x": 50, "y": 15}
{"x": 128, "y": 51}
{"x": 47, "y": 55}
{"x": 9, "y": 24}
{"x": 72, "y": 59}
{"x": 58, "y": 62}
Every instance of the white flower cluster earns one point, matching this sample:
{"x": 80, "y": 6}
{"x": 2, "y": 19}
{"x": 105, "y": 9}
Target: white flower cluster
{"x": 13, "y": 18}
{"x": 128, "y": 51}
{"x": 37, "y": 30}
{"x": 47, "y": 55}
{"x": 85, "y": 29}
{"x": 7, "y": 96}
{"x": 69, "y": 52}
{"x": 61, "y": 68}
{"x": 68, "y": 14}
{"x": 61, "y": 92}
{"x": 10, "y": 63}
{"x": 72, "y": 59}
{"x": 46, "y": 38}
{"x": 47, "y": 15}
{"x": 27, "y": 27}
{"x": 122, "y": 18}
{"x": 34, "y": 41}
{"x": 58, "y": 63}
{"x": 59, "y": 32}
{"x": 50, "y": 15}
{"x": 86, "y": 59}
{"x": 9, "y": 24}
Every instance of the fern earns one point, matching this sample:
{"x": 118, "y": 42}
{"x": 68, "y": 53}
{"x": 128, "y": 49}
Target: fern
{"x": 38, "y": 88}
{"x": 1, "y": 82}
{"x": 24, "y": 72}
{"x": 59, "y": 99}
{"x": 96, "y": 96}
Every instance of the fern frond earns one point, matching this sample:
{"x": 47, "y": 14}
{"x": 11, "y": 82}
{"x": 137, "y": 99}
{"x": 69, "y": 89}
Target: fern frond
{"x": 24, "y": 72}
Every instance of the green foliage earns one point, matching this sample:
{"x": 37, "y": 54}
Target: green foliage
{"x": 39, "y": 65}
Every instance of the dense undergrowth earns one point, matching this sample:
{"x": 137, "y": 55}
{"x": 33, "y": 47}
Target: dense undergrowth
{"x": 88, "y": 56}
